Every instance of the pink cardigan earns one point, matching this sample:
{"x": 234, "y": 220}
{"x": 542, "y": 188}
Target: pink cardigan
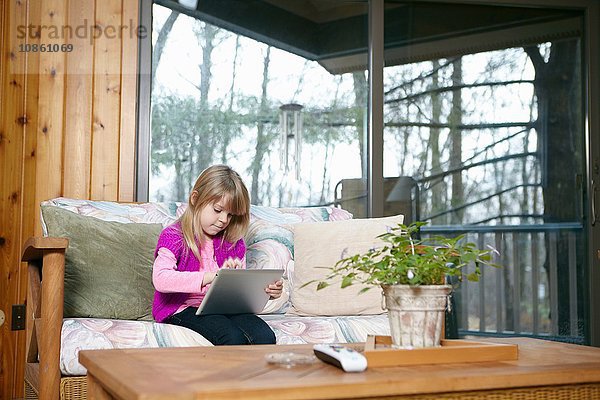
{"x": 166, "y": 303}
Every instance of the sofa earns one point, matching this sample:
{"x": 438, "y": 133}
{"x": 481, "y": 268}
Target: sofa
{"x": 90, "y": 283}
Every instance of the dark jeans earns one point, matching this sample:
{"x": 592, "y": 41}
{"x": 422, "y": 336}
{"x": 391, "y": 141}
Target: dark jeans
{"x": 225, "y": 329}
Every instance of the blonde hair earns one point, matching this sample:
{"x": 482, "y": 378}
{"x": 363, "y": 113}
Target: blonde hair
{"x": 216, "y": 183}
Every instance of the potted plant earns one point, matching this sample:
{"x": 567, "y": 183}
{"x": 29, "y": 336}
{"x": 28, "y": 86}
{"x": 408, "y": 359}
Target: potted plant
{"x": 413, "y": 273}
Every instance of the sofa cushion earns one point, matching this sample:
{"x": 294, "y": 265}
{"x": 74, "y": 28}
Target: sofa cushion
{"x": 318, "y": 246}
{"x": 270, "y": 240}
{"x": 93, "y": 333}
{"x": 293, "y": 329}
{"x": 163, "y": 213}
{"x": 108, "y": 265}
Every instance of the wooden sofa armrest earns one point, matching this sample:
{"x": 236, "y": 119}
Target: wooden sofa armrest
{"x": 35, "y": 247}
{"x": 45, "y": 258}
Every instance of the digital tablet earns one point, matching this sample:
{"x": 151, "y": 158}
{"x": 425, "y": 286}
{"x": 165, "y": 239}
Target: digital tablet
{"x": 238, "y": 291}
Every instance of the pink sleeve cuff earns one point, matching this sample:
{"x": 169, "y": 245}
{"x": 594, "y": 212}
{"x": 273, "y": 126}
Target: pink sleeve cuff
{"x": 167, "y": 279}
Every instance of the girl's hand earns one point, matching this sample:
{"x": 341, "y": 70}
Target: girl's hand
{"x": 209, "y": 277}
{"x": 275, "y": 289}
{"x": 232, "y": 263}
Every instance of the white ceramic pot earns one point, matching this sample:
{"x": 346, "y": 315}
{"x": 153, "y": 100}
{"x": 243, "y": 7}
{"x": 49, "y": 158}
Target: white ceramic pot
{"x": 416, "y": 314}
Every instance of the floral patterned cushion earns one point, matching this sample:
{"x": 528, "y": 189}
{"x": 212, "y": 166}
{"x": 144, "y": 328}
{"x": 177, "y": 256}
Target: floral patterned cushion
{"x": 270, "y": 238}
{"x": 92, "y": 334}
{"x": 156, "y": 213}
{"x": 88, "y": 334}
{"x": 291, "y": 329}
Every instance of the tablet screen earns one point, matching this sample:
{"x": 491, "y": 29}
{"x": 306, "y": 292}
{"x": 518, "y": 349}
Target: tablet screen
{"x": 239, "y": 291}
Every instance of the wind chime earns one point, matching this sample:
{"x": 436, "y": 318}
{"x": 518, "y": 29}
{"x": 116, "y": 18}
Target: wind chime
{"x": 290, "y": 121}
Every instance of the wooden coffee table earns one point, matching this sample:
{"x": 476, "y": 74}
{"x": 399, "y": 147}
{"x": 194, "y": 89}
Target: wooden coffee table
{"x": 544, "y": 369}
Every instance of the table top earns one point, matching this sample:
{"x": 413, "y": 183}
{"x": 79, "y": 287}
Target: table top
{"x": 227, "y": 371}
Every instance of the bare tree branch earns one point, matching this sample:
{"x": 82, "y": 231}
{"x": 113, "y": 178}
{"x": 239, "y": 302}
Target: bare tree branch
{"x": 421, "y": 77}
{"x": 464, "y": 167}
{"x": 457, "y": 87}
{"x": 161, "y": 40}
{"x": 534, "y": 55}
{"x": 497, "y": 142}
{"x": 481, "y": 200}
{"x": 492, "y": 125}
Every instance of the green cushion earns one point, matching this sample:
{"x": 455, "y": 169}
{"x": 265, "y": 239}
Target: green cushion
{"x": 108, "y": 265}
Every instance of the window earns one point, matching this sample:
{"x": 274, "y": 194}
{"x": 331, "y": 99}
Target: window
{"x": 483, "y": 130}
{"x": 472, "y": 132}
{"x": 220, "y": 97}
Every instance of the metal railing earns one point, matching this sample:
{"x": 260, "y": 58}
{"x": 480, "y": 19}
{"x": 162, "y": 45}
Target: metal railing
{"x": 537, "y": 290}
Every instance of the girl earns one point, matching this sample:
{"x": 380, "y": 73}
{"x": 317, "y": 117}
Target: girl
{"x": 207, "y": 237}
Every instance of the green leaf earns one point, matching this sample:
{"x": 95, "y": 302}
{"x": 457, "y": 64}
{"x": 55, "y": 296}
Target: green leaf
{"x": 308, "y": 283}
{"x": 473, "y": 277}
{"x": 347, "y": 281}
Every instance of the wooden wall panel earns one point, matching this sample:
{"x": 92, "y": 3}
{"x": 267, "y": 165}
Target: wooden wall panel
{"x": 11, "y": 148}
{"x": 29, "y": 207}
{"x": 67, "y": 128}
{"x": 3, "y": 282}
{"x": 51, "y": 106}
{"x": 78, "y": 102}
{"x": 3, "y": 35}
{"x": 107, "y": 102}
{"x": 128, "y": 100}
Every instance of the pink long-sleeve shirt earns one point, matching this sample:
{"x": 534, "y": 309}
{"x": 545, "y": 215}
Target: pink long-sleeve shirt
{"x": 167, "y": 279}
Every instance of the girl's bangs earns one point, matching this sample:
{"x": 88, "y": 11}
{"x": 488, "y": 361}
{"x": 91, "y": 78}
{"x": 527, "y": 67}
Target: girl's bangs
{"x": 235, "y": 204}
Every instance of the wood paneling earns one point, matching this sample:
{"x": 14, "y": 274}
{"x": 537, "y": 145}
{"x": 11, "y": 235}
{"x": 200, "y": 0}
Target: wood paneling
{"x": 51, "y": 105}
{"x": 107, "y": 102}
{"x": 29, "y": 176}
{"x": 11, "y": 147}
{"x": 4, "y": 258}
{"x": 129, "y": 101}
{"x": 67, "y": 128}
{"x": 78, "y": 101}
{"x": 3, "y": 283}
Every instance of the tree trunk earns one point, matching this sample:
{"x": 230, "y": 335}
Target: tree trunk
{"x": 207, "y": 42}
{"x": 161, "y": 40}
{"x": 557, "y": 87}
{"x": 361, "y": 90}
{"x": 437, "y": 187}
{"x": 262, "y": 143}
{"x": 455, "y": 120}
{"x": 324, "y": 180}
{"x": 204, "y": 137}
{"x": 227, "y": 137}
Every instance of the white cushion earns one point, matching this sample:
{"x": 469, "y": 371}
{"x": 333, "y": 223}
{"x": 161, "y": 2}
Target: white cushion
{"x": 318, "y": 246}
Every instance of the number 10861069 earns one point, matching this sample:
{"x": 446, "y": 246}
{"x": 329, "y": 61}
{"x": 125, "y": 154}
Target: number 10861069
{"x": 45, "y": 48}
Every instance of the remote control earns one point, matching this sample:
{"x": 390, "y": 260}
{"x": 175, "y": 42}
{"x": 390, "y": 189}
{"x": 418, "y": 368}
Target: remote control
{"x": 342, "y": 357}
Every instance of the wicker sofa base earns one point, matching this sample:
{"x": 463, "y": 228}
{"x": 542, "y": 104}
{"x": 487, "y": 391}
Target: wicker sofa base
{"x": 71, "y": 388}
{"x": 562, "y": 392}
{"x": 75, "y": 388}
